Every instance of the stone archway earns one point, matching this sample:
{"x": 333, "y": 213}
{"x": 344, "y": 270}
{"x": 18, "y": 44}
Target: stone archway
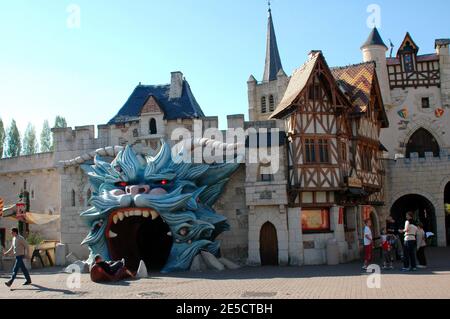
{"x": 268, "y": 245}
{"x": 447, "y": 211}
{"x": 423, "y": 209}
{"x": 421, "y": 142}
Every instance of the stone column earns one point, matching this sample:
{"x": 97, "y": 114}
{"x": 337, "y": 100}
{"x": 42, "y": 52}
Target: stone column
{"x": 295, "y": 237}
{"x": 339, "y": 233}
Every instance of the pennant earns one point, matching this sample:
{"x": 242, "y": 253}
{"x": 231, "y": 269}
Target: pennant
{"x": 439, "y": 112}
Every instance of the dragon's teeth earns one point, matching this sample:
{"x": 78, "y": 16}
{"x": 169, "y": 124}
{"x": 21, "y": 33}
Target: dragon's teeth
{"x": 154, "y": 214}
{"x": 137, "y": 213}
{"x": 115, "y": 219}
{"x": 127, "y": 214}
{"x": 145, "y": 214}
{"x": 121, "y": 216}
{"x": 112, "y": 235}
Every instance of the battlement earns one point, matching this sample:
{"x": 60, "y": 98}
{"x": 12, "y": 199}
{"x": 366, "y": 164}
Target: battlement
{"x": 415, "y": 160}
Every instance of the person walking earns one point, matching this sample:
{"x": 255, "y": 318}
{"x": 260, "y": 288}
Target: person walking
{"x": 368, "y": 244}
{"x": 19, "y": 248}
{"x": 410, "y": 244}
{"x": 421, "y": 244}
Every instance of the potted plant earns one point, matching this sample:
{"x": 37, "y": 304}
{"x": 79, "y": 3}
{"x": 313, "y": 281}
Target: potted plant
{"x": 33, "y": 239}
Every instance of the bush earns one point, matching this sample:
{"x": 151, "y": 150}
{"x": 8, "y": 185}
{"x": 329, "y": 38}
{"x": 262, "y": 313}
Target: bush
{"x": 34, "y": 239}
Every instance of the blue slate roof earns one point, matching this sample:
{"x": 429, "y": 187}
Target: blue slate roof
{"x": 374, "y": 39}
{"x": 185, "y": 107}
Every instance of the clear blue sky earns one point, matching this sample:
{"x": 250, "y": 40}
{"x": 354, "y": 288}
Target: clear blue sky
{"x": 87, "y": 74}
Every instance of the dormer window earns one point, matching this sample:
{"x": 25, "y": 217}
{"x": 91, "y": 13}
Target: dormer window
{"x": 152, "y": 130}
{"x": 408, "y": 63}
{"x": 263, "y": 105}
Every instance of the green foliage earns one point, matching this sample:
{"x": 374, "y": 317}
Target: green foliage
{"x": 13, "y": 143}
{"x": 60, "y": 122}
{"x": 30, "y": 144}
{"x": 46, "y": 138}
{"x": 2, "y": 137}
{"x": 34, "y": 238}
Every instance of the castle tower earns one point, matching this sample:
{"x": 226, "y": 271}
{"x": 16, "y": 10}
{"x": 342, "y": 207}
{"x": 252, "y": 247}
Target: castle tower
{"x": 374, "y": 49}
{"x": 264, "y": 97}
{"x": 442, "y": 50}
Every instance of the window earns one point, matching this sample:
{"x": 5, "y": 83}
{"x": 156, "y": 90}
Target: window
{"x": 366, "y": 158}
{"x": 323, "y": 151}
{"x": 408, "y": 62}
{"x": 263, "y": 105}
{"x": 73, "y": 198}
{"x": 317, "y": 150}
{"x": 310, "y": 151}
{"x": 25, "y": 185}
{"x": 152, "y": 127}
{"x": 271, "y": 103}
{"x": 316, "y": 220}
{"x": 314, "y": 91}
{"x": 425, "y": 102}
{"x": 266, "y": 177}
{"x": 422, "y": 142}
{"x": 135, "y": 133}
{"x": 32, "y": 194}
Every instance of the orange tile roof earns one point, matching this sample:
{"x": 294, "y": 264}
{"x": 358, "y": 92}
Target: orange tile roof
{"x": 356, "y": 80}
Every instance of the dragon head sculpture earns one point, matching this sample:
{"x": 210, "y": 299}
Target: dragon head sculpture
{"x": 156, "y": 209}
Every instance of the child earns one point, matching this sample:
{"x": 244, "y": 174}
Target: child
{"x": 387, "y": 250}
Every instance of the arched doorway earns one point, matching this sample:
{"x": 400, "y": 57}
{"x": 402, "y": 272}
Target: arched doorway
{"x": 422, "y": 142}
{"x": 422, "y": 209}
{"x": 375, "y": 224}
{"x": 268, "y": 245}
{"x": 447, "y": 212}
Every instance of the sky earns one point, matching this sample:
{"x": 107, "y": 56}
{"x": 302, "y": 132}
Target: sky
{"x": 82, "y": 58}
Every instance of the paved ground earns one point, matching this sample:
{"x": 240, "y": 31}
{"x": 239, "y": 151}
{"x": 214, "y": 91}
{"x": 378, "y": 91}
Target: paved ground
{"x": 343, "y": 281}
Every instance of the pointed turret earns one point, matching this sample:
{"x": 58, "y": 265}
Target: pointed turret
{"x": 273, "y": 61}
{"x": 374, "y": 39}
{"x": 374, "y": 49}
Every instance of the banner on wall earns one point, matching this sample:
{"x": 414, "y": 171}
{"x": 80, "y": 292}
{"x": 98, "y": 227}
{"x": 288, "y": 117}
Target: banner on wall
{"x": 341, "y": 215}
{"x": 366, "y": 212}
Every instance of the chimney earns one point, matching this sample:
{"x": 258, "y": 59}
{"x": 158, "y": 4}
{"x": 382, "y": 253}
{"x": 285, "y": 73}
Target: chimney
{"x": 313, "y": 53}
{"x": 176, "y": 85}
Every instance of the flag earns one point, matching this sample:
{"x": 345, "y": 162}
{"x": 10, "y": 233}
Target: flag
{"x": 1, "y": 206}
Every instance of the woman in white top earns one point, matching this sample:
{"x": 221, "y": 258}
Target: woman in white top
{"x": 410, "y": 244}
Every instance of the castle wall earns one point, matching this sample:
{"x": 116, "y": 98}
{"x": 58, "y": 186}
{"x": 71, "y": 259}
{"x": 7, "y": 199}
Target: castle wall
{"x": 400, "y": 129}
{"x": 422, "y": 176}
{"x": 42, "y": 183}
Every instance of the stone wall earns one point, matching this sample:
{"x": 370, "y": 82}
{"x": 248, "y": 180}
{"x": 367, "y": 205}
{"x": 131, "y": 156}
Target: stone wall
{"x": 232, "y": 205}
{"x": 422, "y": 176}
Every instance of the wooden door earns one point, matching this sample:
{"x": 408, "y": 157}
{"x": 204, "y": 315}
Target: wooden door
{"x": 268, "y": 242}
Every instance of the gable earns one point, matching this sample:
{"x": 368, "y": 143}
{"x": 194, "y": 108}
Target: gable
{"x": 408, "y": 46}
{"x": 316, "y": 69}
{"x": 151, "y": 106}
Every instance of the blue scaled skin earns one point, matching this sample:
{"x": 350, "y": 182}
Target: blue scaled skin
{"x": 182, "y": 194}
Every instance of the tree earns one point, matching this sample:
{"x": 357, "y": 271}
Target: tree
{"x": 13, "y": 144}
{"x": 30, "y": 144}
{"x": 60, "y": 122}
{"x": 46, "y": 138}
{"x": 2, "y": 137}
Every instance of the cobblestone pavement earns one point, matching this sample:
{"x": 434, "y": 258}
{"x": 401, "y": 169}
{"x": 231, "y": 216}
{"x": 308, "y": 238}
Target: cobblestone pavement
{"x": 343, "y": 281}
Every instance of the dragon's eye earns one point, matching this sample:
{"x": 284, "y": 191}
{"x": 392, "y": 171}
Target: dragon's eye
{"x": 121, "y": 184}
{"x": 164, "y": 182}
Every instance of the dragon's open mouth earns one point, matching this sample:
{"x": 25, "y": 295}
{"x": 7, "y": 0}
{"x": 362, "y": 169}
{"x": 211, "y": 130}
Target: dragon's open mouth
{"x": 139, "y": 234}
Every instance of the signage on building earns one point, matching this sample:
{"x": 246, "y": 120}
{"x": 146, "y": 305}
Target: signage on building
{"x": 354, "y": 182}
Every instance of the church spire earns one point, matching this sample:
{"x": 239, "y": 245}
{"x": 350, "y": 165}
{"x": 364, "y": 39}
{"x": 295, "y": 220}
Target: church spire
{"x": 273, "y": 61}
